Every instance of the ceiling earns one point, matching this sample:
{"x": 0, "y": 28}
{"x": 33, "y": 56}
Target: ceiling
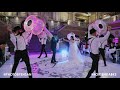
{"x": 81, "y": 16}
{"x": 85, "y": 15}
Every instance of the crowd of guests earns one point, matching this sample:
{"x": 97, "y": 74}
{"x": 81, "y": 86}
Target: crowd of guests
{"x": 112, "y": 51}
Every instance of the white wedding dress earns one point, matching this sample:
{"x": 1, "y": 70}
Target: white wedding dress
{"x": 74, "y": 57}
{"x": 74, "y": 60}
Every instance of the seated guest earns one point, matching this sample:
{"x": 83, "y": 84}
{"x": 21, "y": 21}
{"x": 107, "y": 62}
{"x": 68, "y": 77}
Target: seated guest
{"x": 112, "y": 50}
{"x": 117, "y": 45}
{"x": 118, "y": 51}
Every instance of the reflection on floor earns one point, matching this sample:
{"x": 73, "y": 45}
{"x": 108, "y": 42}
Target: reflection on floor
{"x": 42, "y": 68}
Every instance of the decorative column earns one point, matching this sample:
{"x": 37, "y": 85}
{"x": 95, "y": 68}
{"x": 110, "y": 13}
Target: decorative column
{"x": 73, "y": 16}
{"x": 54, "y": 15}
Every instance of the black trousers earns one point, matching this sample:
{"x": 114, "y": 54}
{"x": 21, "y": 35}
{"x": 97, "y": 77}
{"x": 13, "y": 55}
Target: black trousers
{"x": 102, "y": 53}
{"x": 53, "y": 56}
{"x": 95, "y": 58}
{"x": 24, "y": 55}
{"x": 43, "y": 50}
{"x": 112, "y": 54}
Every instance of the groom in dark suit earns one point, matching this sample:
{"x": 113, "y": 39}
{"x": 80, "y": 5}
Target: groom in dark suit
{"x": 54, "y": 42}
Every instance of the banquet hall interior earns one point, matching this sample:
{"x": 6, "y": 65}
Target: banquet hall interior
{"x": 61, "y": 23}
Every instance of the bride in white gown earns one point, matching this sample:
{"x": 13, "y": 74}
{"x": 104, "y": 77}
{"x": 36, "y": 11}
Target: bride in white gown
{"x": 75, "y": 59}
{"x": 74, "y": 53}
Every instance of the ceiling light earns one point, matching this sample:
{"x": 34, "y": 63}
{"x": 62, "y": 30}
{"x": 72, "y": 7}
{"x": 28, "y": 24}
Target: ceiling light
{"x": 86, "y": 14}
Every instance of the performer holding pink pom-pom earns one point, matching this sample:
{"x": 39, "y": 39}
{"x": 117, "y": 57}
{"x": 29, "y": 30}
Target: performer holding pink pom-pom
{"x": 94, "y": 50}
{"x": 19, "y": 39}
{"x": 27, "y": 34}
{"x": 43, "y": 40}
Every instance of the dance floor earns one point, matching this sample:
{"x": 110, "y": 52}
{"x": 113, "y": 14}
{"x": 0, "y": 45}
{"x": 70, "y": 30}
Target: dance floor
{"x": 42, "y": 68}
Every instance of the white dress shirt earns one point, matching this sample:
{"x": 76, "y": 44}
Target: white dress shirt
{"x": 94, "y": 43}
{"x": 27, "y": 36}
{"x": 43, "y": 40}
{"x": 78, "y": 41}
{"x": 22, "y": 41}
{"x": 43, "y": 37}
{"x": 102, "y": 44}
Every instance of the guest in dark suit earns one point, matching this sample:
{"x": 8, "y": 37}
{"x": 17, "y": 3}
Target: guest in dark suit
{"x": 54, "y": 42}
{"x": 117, "y": 45}
{"x": 112, "y": 46}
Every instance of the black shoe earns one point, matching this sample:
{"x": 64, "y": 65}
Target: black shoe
{"x": 30, "y": 76}
{"x": 55, "y": 61}
{"x": 87, "y": 77}
{"x": 98, "y": 76}
{"x": 11, "y": 76}
{"x": 105, "y": 65}
{"x": 114, "y": 61}
{"x": 52, "y": 62}
{"x": 39, "y": 57}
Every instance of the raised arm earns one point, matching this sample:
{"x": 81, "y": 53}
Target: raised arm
{"x": 40, "y": 39}
{"x": 13, "y": 38}
{"x": 106, "y": 36}
{"x": 27, "y": 35}
{"x": 60, "y": 40}
{"x": 77, "y": 40}
{"x": 65, "y": 40}
{"x": 48, "y": 32}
